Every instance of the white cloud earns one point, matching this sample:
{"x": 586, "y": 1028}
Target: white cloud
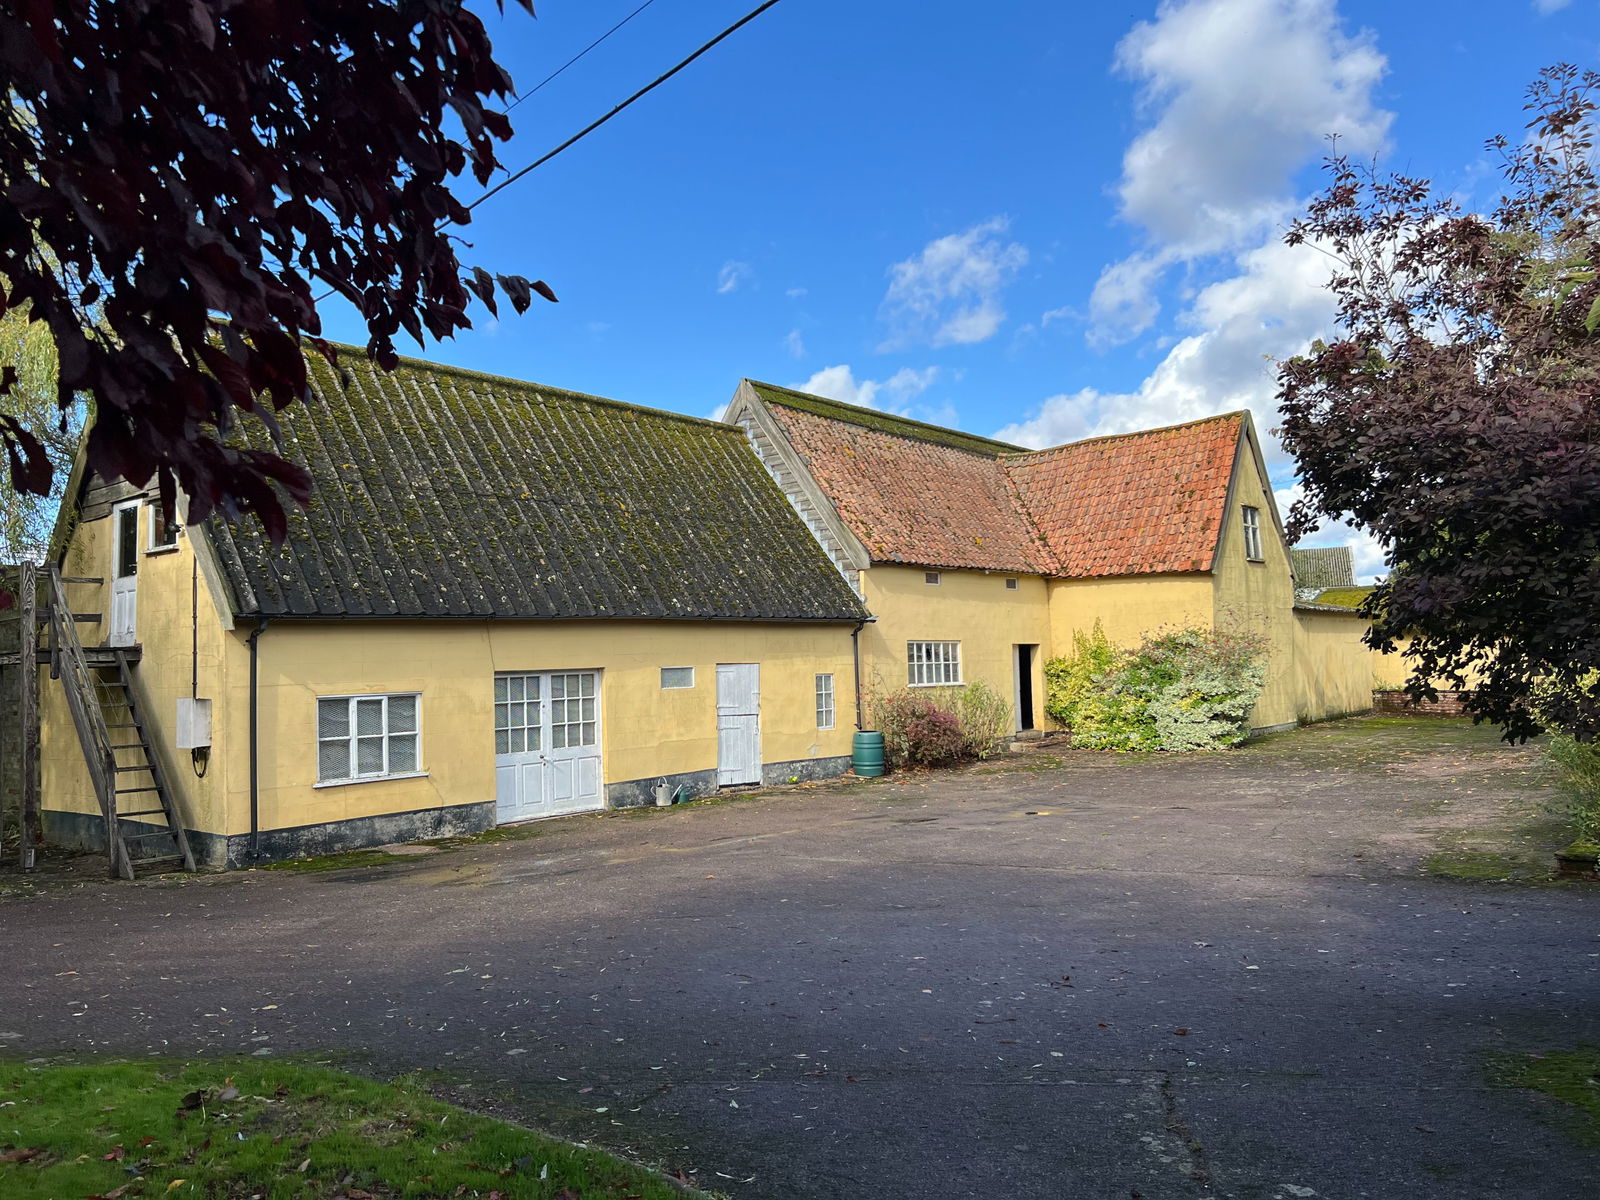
{"x": 1238, "y": 96}
{"x": 1369, "y": 560}
{"x": 891, "y": 395}
{"x": 1545, "y": 7}
{"x": 795, "y": 293}
{"x": 949, "y": 295}
{"x": 1057, "y": 314}
{"x": 795, "y": 344}
{"x": 1270, "y": 309}
{"x": 732, "y": 275}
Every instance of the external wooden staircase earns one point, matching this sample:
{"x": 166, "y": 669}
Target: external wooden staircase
{"x": 143, "y": 828}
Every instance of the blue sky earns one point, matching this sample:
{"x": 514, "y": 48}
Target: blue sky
{"x": 1042, "y": 221}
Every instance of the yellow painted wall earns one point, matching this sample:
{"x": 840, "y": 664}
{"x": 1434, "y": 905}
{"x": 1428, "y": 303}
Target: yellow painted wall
{"x": 645, "y": 732}
{"x": 1128, "y": 606}
{"x": 164, "y": 622}
{"x": 1258, "y": 597}
{"x": 1332, "y": 666}
{"x": 971, "y": 607}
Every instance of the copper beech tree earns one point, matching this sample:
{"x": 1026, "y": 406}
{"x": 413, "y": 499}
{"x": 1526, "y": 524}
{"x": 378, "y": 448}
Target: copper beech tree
{"x": 181, "y": 180}
{"x": 1454, "y": 415}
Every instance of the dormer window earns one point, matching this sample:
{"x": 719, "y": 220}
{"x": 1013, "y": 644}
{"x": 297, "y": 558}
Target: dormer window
{"x": 1252, "y": 534}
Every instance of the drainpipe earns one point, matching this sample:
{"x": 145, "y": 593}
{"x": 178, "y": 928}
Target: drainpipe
{"x": 855, "y": 654}
{"x": 255, "y": 758}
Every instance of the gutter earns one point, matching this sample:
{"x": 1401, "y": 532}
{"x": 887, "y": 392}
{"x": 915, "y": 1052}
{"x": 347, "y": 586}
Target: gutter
{"x": 255, "y": 756}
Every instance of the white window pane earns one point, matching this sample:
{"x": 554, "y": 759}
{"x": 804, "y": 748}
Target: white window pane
{"x": 516, "y": 684}
{"x": 502, "y": 687}
{"x": 677, "y": 677}
{"x": 502, "y": 742}
{"x": 533, "y": 686}
{"x": 588, "y": 733}
{"x": 369, "y": 716}
{"x": 558, "y": 737}
{"x": 588, "y": 685}
{"x": 402, "y": 714}
{"x": 517, "y": 741}
{"x": 534, "y": 734}
{"x": 502, "y": 717}
{"x": 369, "y": 756}
{"x": 558, "y": 685}
{"x": 333, "y": 761}
{"x": 402, "y": 753}
{"x": 333, "y": 718}
{"x": 588, "y": 710}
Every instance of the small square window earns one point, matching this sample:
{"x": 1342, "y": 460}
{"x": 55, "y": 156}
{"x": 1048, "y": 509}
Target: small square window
{"x": 673, "y": 678}
{"x": 1011, "y": 585}
{"x": 1252, "y": 533}
{"x": 930, "y": 577}
{"x": 825, "y": 706}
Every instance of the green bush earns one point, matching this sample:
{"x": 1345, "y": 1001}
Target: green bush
{"x": 985, "y": 718}
{"x": 1579, "y": 764}
{"x": 1189, "y": 689}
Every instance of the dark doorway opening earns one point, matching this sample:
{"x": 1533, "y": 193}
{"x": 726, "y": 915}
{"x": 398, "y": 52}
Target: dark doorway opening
{"x": 1024, "y": 689}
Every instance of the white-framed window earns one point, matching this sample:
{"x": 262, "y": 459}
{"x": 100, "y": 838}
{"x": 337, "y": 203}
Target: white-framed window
{"x": 1011, "y": 585}
{"x": 673, "y": 678}
{"x": 368, "y": 737}
{"x": 932, "y": 577}
{"x": 1252, "y": 533}
{"x": 163, "y": 535}
{"x": 825, "y": 707}
{"x": 930, "y": 664}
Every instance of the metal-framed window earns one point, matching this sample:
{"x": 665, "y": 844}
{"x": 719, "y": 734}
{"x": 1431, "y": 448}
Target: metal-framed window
{"x": 676, "y": 677}
{"x": 368, "y": 737}
{"x": 1011, "y": 585}
{"x": 932, "y": 577}
{"x": 825, "y": 705}
{"x": 1252, "y": 533}
{"x": 930, "y": 664}
{"x": 163, "y": 535}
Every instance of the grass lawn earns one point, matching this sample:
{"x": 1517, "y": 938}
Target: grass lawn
{"x": 1571, "y": 1076}
{"x": 247, "y": 1127}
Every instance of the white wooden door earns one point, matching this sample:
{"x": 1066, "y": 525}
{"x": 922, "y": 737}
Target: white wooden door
{"x": 124, "y": 574}
{"x": 519, "y": 747}
{"x": 547, "y": 744}
{"x": 738, "y": 723}
{"x": 573, "y": 781}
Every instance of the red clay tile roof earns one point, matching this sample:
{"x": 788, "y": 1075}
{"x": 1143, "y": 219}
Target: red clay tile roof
{"x": 1130, "y": 504}
{"x": 1134, "y": 503}
{"x": 912, "y": 500}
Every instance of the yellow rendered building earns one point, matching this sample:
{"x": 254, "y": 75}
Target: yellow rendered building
{"x": 505, "y": 602}
{"x": 979, "y": 560}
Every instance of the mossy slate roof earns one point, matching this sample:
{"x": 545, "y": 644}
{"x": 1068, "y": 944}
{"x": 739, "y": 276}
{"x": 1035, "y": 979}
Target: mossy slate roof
{"x": 1129, "y": 504}
{"x": 445, "y": 493}
{"x": 1323, "y": 567}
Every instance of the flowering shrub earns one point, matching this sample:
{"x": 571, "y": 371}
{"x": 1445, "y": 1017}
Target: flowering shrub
{"x": 1190, "y": 689}
{"x": 917, "y": 731}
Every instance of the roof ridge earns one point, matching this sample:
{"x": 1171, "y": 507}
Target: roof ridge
{"x": 429, "y": 364}
{"x": 1132, "y": 433}
{"x": 942, "y": 434}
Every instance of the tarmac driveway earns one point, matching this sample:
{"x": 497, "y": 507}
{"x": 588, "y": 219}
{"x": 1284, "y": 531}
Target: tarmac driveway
{"x": 1058, "y": 977}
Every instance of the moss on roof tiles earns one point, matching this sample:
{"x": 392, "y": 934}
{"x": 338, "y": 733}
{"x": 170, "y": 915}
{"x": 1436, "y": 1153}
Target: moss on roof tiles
{"x": 870, "y": 418}
{"x": 442, "y": 492}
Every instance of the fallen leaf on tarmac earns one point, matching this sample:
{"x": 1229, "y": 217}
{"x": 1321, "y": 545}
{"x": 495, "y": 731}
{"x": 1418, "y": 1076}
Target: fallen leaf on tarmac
{"x": 1184, "y": 1032}
{"x": 176, "y": 1183}
{"x": 304, "y": 1166}
{"x": 113, "y": 1194}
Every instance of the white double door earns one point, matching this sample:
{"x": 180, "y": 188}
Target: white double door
{"x": 547, "y": 744}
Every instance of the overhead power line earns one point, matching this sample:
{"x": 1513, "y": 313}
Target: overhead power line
{"x": 642, "y": 92}
{"x": 578, "y": 55}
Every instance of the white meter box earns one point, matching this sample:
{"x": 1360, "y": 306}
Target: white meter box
{"x": 194, "y": 724}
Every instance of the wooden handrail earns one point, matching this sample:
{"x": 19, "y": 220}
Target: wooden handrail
{"x": 79, "y": 684}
